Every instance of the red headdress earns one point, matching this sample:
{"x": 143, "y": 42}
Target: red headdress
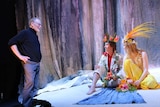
{"x": 109, "y": 38}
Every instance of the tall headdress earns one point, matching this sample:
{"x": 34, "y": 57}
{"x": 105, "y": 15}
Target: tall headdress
{"x": 142, "y": 30}
{"x": 109, "y": 38}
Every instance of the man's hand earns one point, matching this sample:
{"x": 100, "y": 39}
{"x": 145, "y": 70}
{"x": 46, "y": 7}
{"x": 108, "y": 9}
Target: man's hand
{"x": 24, "y": 58}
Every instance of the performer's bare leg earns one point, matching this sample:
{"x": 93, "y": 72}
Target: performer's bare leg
{"x": 93, "y": 86}
{"x": 97, "y": 86}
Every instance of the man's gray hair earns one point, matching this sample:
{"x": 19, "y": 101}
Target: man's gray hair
{"x": 33, "y": 20}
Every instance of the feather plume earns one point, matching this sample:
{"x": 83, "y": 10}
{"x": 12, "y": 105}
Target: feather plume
{"x": 142, "y": 30}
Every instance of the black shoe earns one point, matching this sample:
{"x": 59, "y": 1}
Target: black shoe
{"x": 42, "y": 103}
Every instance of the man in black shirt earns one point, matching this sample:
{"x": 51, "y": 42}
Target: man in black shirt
{"x": 25, "y": 45}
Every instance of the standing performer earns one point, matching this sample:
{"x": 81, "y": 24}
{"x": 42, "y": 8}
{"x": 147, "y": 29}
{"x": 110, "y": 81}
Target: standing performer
{"x": 25, "y": 45}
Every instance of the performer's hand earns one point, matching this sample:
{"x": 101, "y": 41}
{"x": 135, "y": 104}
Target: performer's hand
{"x": 137, "y": 83}
{"x": 130, "y": 81}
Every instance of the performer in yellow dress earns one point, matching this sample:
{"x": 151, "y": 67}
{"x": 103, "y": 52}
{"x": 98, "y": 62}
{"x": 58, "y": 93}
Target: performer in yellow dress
{"x": 136, "y": 60}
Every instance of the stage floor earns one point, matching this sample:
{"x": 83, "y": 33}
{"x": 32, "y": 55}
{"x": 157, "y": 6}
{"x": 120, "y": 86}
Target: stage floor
{"x": 68, "y": 96}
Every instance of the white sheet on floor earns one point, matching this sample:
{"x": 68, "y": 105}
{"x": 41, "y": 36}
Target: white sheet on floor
{"x": 83, "y": 79}
{"x": 79, "y": 80}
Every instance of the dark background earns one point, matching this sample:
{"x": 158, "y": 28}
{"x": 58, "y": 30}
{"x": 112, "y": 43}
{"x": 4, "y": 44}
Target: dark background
{"x": 10, "y": 67}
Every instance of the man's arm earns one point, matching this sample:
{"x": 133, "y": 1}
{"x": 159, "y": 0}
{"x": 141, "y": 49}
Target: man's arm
{"x": 18, "y": 54}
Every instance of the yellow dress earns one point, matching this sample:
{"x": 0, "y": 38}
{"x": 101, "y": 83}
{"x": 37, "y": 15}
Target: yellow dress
{"x": 134, "y": 70}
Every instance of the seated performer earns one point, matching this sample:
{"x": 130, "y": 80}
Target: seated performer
{"x": 136, "y": 61}
{"x": 110, "y": 63}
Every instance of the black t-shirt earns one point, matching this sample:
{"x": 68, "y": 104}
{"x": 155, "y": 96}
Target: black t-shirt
{"x": 28, "y": 44}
